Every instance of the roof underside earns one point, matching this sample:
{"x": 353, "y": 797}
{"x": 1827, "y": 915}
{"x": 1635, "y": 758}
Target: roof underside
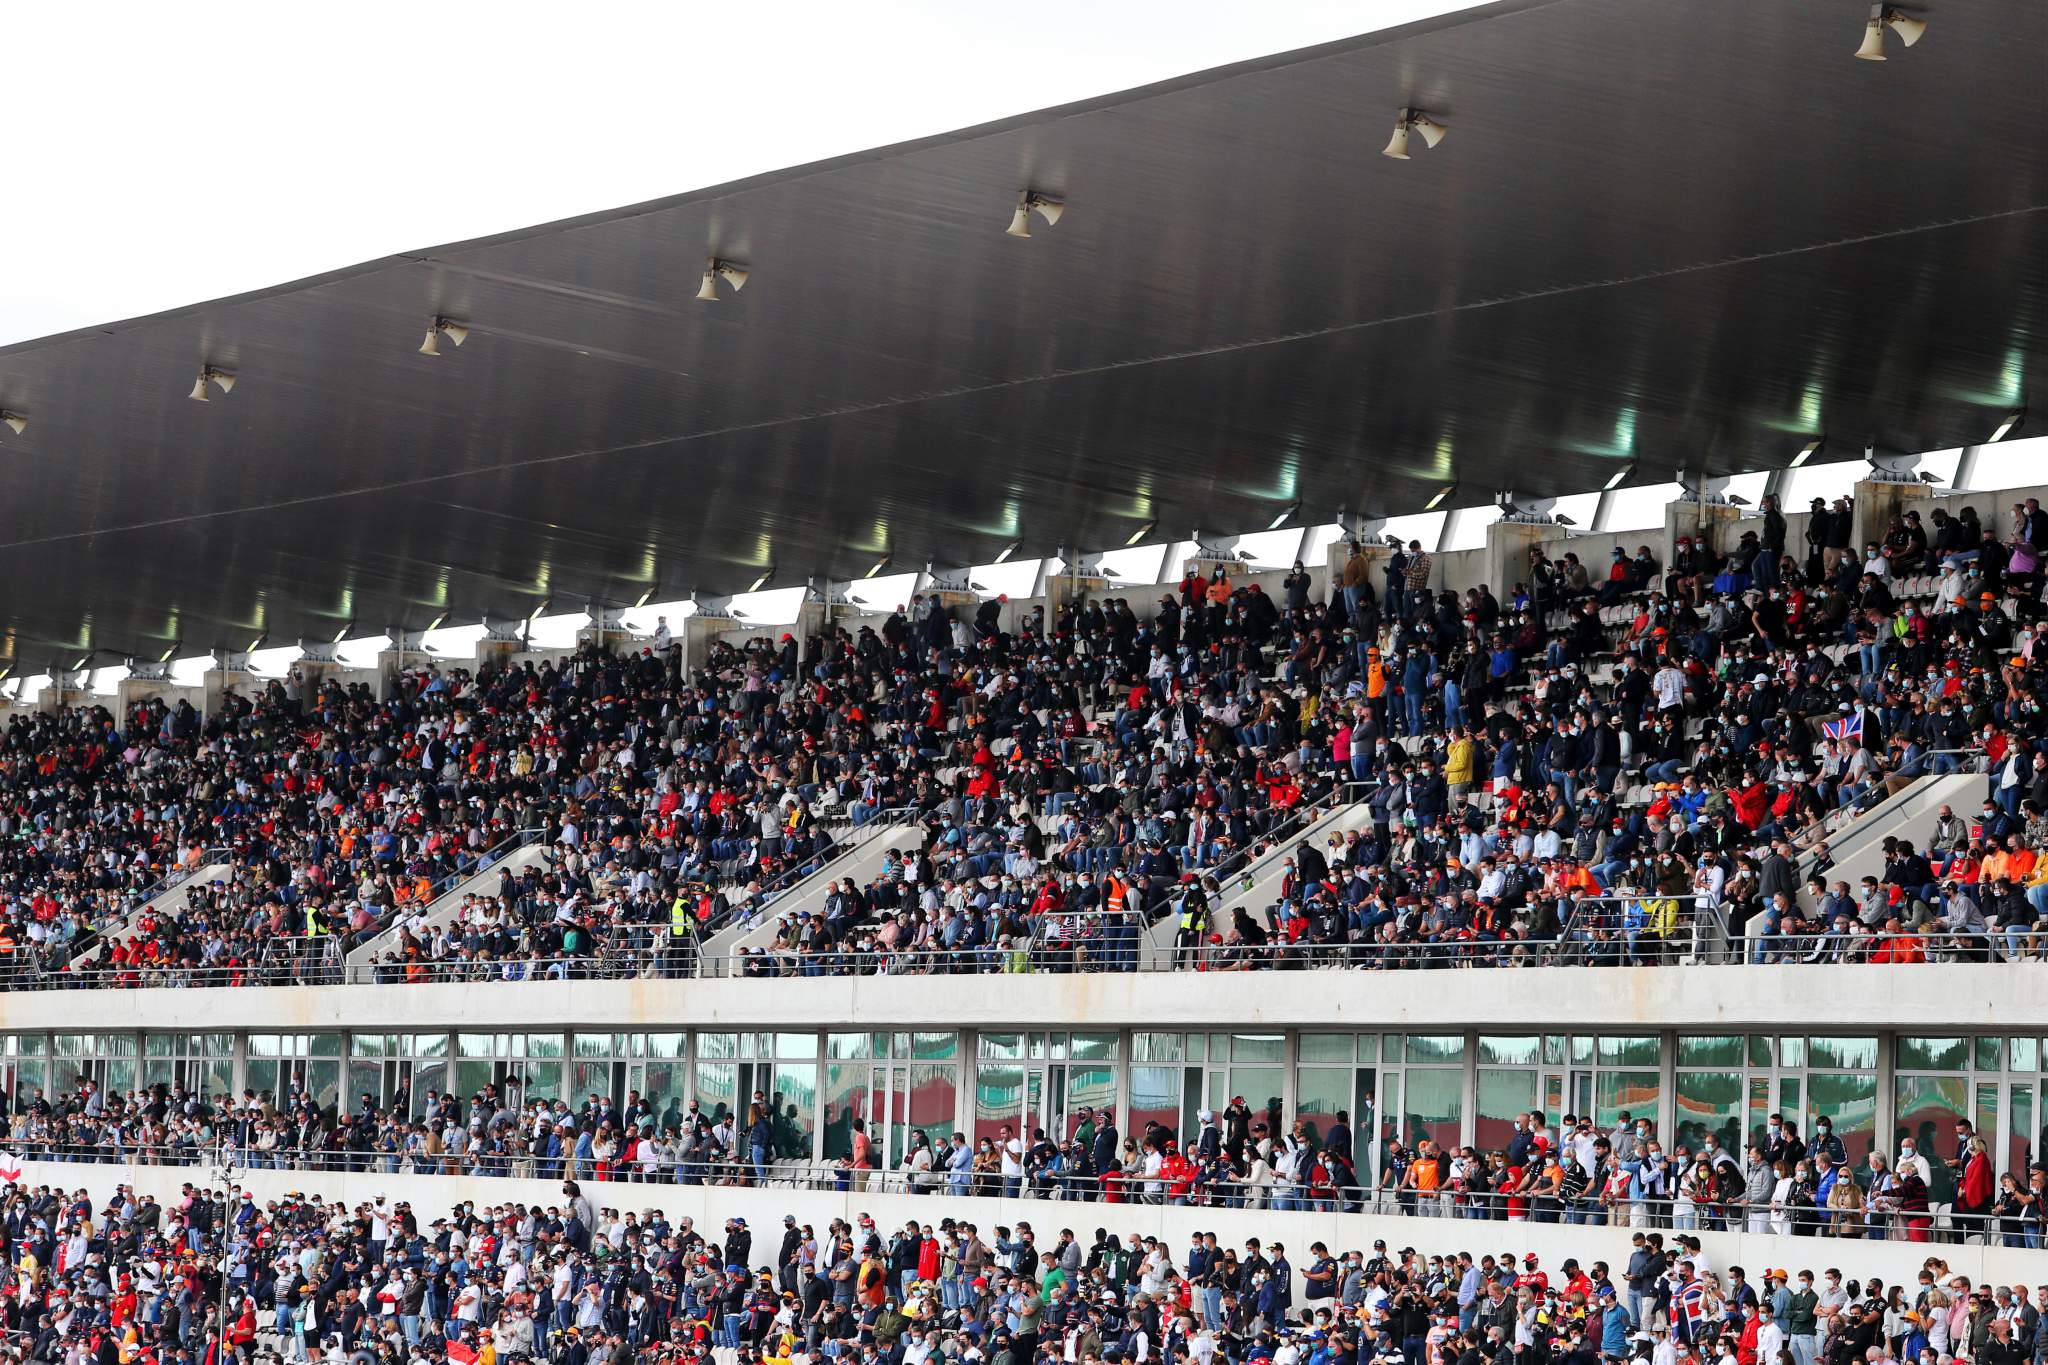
{"x": 1689, "y": 235}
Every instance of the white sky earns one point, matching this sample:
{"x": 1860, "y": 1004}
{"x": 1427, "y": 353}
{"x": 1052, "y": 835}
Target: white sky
{"x": 164, "y": 155}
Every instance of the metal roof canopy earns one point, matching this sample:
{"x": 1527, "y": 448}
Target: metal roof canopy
{"x": 1691, "y": 235}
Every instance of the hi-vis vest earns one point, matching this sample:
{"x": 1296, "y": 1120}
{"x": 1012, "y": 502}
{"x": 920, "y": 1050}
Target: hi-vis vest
{"x": 681, "y": 919}
{"x": 1116, "y": 895}
{"x": 1194, "y": 909}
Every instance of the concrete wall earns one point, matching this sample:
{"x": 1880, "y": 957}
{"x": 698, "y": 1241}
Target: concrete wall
{"x": 709, "y": 1206}
{"x": 1992, "y": 997}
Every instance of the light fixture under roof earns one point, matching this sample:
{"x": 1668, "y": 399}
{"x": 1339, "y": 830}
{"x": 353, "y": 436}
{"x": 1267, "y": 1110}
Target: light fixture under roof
{"x": 1140, "y": 534}
{"x": 18, "y": 423}
{"x": 222, "y": 379}
{"x": 1281, "y": 520}
{"x": 1008, "y": 550}
{"x": 2012, "y": 420}
{"x": 454, "y": 331}
{"x": 1397, "y": 145}
{"x": 879, "y": 565}
{"x": 1808, "y": 451}
{"x": 1438, "y": 500}
{"x": 1882, "y": 17}
{"x": 1620, "y": 477}
{"x": 762, "y": 581}
{"x": 733, "y": 274}
{"x": 1030, "y": 202}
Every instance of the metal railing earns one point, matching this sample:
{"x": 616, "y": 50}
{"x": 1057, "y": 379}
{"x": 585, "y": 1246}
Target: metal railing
{"x": 1828, "y": 826}
{"x": 1874, "y": 1218}
{"x": 890, "y": 817}
{"x": 665, "y": 957}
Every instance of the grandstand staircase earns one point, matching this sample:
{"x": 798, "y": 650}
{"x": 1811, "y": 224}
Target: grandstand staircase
{"x": 1857, "y": 847}
{"x": 1258, "y": 885}
{"x": 861, "y": 859}
{"x": 172, "y": 894}
{"x": 531, "y": 852}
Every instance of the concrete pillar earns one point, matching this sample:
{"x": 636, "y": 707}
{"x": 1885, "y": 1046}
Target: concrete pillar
{"x": 1876, "y": 503}
{"x": 220, "y": 683}
{"x": 497, "y": 654}
{"x": 1507, "y": 553}
{"x": 315, "y": 674}
{"x": 1377, "y": 552}
{"x": 1060, "y": 589}
{"x": 700, "y": 631}
{"x": 1708, "y": 521}
{"x": 131, "y": 692}
{"x": 62, "y": 692}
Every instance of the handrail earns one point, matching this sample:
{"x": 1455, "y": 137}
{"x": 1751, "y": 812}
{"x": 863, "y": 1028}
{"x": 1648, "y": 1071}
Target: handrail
{"x": 445, "y": 884}
{"x": 673, "y": 959}
{"x": 1834, "y": 822}
{"x": 888, "y": 817}
{"x": 1880, "y": 1218}
{"x": 96, "y": 938}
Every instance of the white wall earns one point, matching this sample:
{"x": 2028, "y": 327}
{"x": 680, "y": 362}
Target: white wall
{"x": 1993, "y": 997}
{"x": 710, "y": 1206}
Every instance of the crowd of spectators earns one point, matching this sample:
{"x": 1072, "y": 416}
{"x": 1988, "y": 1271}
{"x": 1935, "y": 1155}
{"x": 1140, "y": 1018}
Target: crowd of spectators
{"x": 214, "y": 1273}
{"x": 1241, "y": 1157}
{"x": 1594, "y": 769}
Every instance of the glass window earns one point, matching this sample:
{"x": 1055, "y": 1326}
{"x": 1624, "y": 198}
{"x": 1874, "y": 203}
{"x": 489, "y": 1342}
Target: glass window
{"x": 998, "y": 1098}
{"x": 1709, "y": 1102}
{"x": 1849, "y": 1103}
{"x": 1091, "y": 1087}
{"x": 1002, "y": 1046}
{"x": 1502, "y": 1094}
{"x": 1093, "y": 1047}
{"x": 1933, "y": 1054}
{"x": 1436, "y": 1047}
{"x": 718, "y": 1045}
{"x": 934, "y": 1092}
{"x": 1435, "y": 1105}
{"x": 1632, "y": 1092}
{"x": 668, "y": 1045}
{"x": 1582, "y": 1050}
{"x": 1368, "y": 1047}
{"x": 717, "y": 1087}
{"x": 1842, "y": 1054}
{"x": 2019, "y": 1135}
{"x": 1325, "y": 1047}
{"x": 856, "y": 1045}
{"x": 845, "y": 1098}
{"x": 1155, "y": 1047}
{"x": 1260, "y": 1086}
{"x": 1553, "y": 1049}
{"x": 793, "y": 1105}
{"x": 1638, "y": 1050}
{"x": 2026, "y": 1054}
{"x": 1501, "y": 1050}
{"x": 1988, "y": 1051}
{"x": 1925, "y": 1110}
{"x": 1722, "y": 1050}
{"x": 1156, "y": 1097}
{"x": 796, "y": 1046}
{"x": 1759, "y": 1050}
{"x": 1791, "y": 1053}
{"x": 1257, "y": 1047}
{"x": 1320, "y": 1094}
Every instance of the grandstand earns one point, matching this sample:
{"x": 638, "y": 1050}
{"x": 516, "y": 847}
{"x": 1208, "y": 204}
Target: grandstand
{"x": 1308, "y": 661}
